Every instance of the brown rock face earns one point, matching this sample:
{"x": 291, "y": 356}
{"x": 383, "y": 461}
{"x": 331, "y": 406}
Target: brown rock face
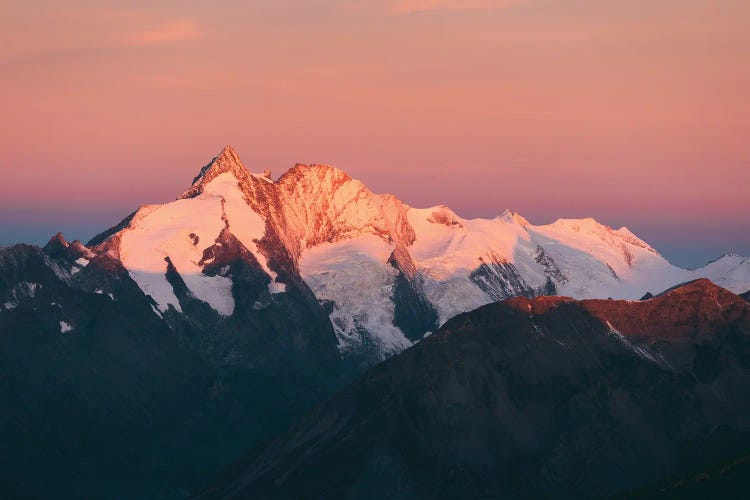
{"x": 690, "y": 310}
{"x": 311, "y": 204}
{"x": 694, "y": 309}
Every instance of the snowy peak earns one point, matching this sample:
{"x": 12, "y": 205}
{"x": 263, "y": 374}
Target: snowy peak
{"x": 590, "y": 227}
{"x": 441, "y": 214}
{"x": 228, "y": 161}
{"x": 513, "y": 217}
{"x": 587, "y": 225}
{"x": 730, "y": 271}
{"x": 303, "y": 181}
{"x": 322, "y": 204}
{"x": 728, "y": 259}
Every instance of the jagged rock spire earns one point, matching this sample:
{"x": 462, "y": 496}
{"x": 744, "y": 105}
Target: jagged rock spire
{"x": 58, "y": 239}
{"x": 227, "y": 161}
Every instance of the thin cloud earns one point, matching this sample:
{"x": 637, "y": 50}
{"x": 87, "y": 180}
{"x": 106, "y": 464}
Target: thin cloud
{"x": 401, "y": 7}
{"x": 77, "y": 33}
{"x": 166, "y": 32}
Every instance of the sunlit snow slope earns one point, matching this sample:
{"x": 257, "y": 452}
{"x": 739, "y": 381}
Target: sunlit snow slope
{"x": 387, "y": 274}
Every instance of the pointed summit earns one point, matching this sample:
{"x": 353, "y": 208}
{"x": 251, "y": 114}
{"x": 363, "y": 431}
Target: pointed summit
{"x": 57, "y": 246}
{"x": 228, "y": 161}
{"x": 58, "y": 239}
{"x": 514, "y": 217}
{"x": 56, "y": 243}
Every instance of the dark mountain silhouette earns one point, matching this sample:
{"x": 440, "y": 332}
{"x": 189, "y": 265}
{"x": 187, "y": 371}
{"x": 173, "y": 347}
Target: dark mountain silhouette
{"x": 545, "y": 397}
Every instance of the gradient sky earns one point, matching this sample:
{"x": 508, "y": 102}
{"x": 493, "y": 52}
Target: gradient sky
{"x": 635, "y": 112}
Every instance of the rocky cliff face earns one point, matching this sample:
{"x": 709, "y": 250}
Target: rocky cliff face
{"x": 528, "y": 398}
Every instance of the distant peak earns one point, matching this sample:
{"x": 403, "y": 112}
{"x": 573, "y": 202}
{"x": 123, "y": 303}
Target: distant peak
{"x": 319, "y": 173}
{"x": 514, "y": 217}
{"x": 58, "y": 247}
{"x": 228, "y": 155}
{"x": 58, "y": 239}
{"x": 317, "y": 167}
{"x": 442, "y": 214}
{"x": 588, "y": 222}
{"x": 593, "y": 226}
{"x": 727, "y": 257}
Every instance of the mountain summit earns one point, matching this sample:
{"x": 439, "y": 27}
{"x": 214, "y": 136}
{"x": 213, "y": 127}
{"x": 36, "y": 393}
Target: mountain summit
{"x": 228, "y": 161}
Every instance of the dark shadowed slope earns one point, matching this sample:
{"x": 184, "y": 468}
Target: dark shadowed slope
{"x": 105, "y": 396}
{"x": 723, "y": 479}
{"x": 528, "y": 397}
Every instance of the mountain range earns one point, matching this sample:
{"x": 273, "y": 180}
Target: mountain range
{"x": 412, "y": 269}
{"x": 170, "y": 344}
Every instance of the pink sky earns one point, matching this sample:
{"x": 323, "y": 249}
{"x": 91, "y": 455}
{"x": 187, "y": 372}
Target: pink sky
{"x": 634, "y": 112}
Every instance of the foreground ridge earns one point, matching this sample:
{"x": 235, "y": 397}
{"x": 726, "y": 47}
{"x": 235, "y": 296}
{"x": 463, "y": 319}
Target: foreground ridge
{"x": 547, "y": 396}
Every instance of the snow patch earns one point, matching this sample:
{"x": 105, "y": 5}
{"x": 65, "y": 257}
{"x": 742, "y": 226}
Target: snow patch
{"x": 641, "y": 351}
{"x": 447, "y": 254}
{"x": 355, "y": 276}
{"x": 156, "y": 311}
{"x": 21, "y": 291}
{"x": 730, "y": 271}
{"x": 163, "y": 232}
{"x": 244, "y": 223}
{"x": 79, "y": 264}
{"x": 65, "y": 327}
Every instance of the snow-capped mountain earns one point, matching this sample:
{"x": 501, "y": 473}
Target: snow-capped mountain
{"x": 387, "y": 273}
{"x": 193, "y": 330}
